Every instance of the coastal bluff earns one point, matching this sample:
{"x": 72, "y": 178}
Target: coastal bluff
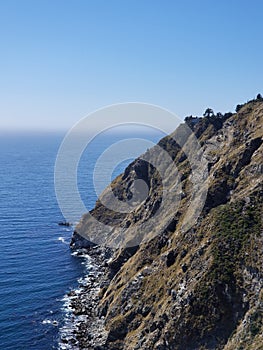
{"x": 178, "y": 287}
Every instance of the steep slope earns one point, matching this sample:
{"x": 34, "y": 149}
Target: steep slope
{"x": 195, "y": 280}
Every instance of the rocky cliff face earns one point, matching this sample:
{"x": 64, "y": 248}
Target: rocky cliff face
{"x": 185, "y": 286}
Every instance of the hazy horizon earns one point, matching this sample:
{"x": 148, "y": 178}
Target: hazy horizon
{"x": 61, "y": 61}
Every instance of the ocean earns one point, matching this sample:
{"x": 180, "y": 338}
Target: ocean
{"x": 37, "y": 267}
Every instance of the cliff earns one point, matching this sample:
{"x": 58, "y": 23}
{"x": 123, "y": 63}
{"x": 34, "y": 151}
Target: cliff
{"x": 186, "y": 266}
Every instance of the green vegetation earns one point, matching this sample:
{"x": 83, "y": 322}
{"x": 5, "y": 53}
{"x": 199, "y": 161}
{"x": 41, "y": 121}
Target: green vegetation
{"x": 256, "y": 323}
{"x": 258, "y": 98}
{"x": 236, "y": 226}
{"x": 209, "y": 113}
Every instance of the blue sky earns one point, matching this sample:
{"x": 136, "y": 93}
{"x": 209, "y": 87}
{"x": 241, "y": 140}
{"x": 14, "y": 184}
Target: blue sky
{"x": 61, "y": 60}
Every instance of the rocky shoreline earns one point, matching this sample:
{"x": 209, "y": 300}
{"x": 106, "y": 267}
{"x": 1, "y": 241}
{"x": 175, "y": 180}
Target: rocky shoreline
{"x": 181, "y": 288}
{"x": 84, "y": 327}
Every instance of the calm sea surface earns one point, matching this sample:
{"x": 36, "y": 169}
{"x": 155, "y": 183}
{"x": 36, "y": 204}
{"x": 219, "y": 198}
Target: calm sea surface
{"x": 36, "y": 265}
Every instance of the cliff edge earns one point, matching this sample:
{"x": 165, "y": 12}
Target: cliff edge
{"x": 185, "y": 286}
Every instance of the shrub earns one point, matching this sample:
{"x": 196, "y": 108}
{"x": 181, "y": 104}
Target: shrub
{"x": 238, "y": 107}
